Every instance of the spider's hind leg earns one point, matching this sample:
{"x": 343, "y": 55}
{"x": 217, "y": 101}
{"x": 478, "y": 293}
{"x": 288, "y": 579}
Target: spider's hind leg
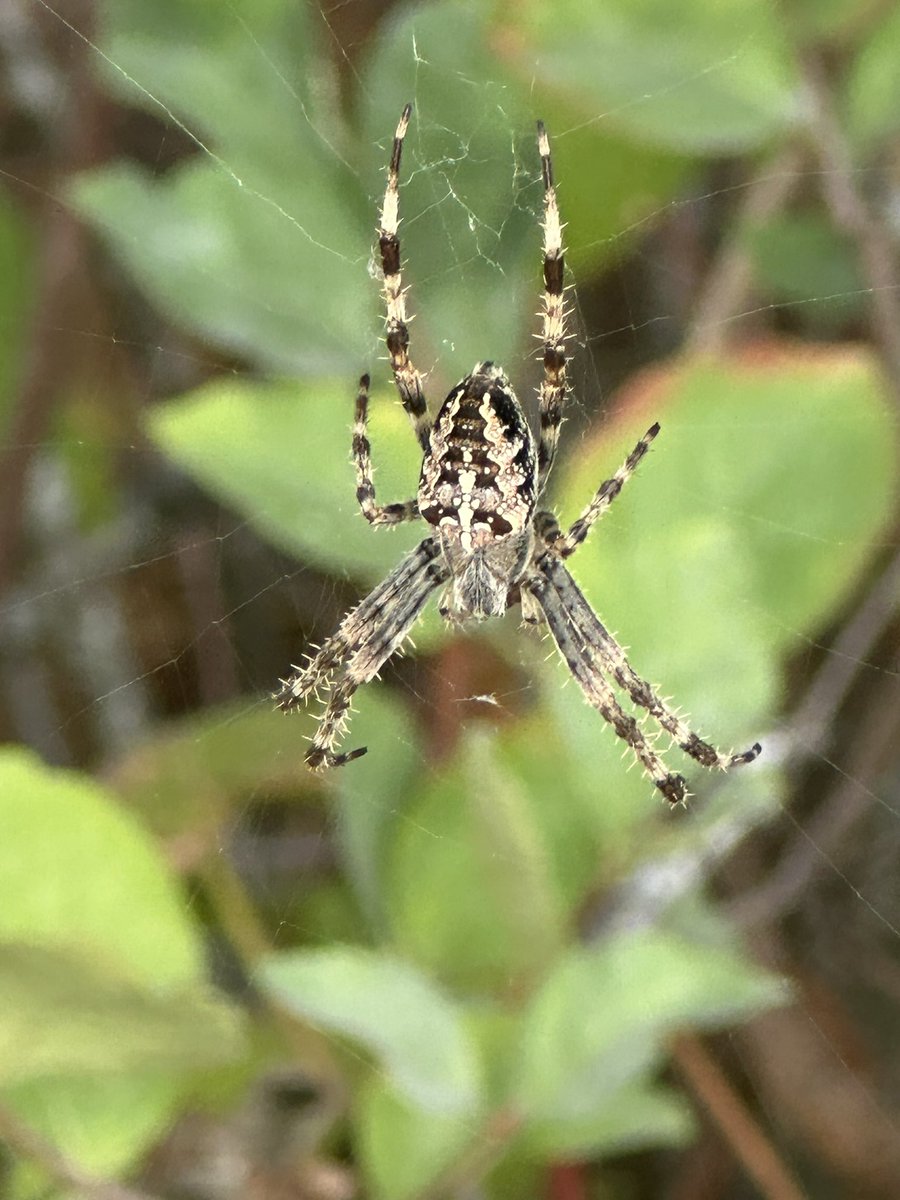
{"x": 411, "y": 577}
{"x": 332, "y": 725}
{"x": 564, "y": 596}
{"x": 365, "y": 640}
{"x": 597, "y": 691}
{"x": 531, "y": 610}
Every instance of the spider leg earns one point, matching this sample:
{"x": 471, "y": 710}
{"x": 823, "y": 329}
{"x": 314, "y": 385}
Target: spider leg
{"x": 553, "y": 388}
{"x": 375, "y": 514}
{"x": 363, "y": 662}
{"x": 407, "y": 378}
{"x": 603, "y": 498}
{"x": 601, "y": 643}
{"x": 578, "y": 657}
{"x": 410, "y": 575}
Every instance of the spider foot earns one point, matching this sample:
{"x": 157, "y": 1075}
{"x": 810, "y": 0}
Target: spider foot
{"x": 318, "y": 759}
{"x": 674, "y": 788}
{"x": 747, "y": 757}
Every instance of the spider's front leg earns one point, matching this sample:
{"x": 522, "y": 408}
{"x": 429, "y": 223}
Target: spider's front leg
{"x": 546, "y": 526}
{"x": 554, "y": 386}
{"x": 375, "y": 514}
{"x": 407, "y": 378}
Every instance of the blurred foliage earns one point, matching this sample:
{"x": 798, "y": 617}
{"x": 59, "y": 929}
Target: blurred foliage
{"x": 104, "y": 1020}
{"x": 447, "y": 970}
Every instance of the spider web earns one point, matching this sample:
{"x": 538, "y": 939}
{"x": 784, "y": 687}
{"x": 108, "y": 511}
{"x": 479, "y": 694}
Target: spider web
{"x": 150, "y": 597}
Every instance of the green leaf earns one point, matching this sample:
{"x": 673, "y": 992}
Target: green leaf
{"x": 638, "y": 1117}
{"x": 236, "y": 241}
{"x": 597, "y": 1024}
{"x": 804, "y": 260}
{"x": 188, "y": 775}
{"x": 404, "y": 1148}
{"x": 481, "y": 833}
{"x": 734, "y": 540}
{"x": 689, "y": 77}
{"x": 393, "y": 1010}
{"x": 278, "y": 454}
{"x": 72, "y": 863}
{"x": 375, "y": 795}
{"x": 872, "y": 87}
{"x": 99, "y": 942}
{"x": 93, "y": 1021}
{"x": 102, "y": 1122}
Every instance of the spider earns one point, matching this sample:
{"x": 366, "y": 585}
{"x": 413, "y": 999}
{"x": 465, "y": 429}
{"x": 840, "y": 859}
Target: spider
{"x": 488, "y": 547}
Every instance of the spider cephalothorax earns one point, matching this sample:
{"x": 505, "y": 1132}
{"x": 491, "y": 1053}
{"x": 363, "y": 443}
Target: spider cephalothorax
{"x": 489, "y": 547}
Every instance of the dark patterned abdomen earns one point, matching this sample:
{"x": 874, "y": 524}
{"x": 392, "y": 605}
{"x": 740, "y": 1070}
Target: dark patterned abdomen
{"x": 480, "y": 476}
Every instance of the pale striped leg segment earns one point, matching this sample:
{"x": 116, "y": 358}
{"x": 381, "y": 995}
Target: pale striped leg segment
{"x": 365, "y": 659}
{"x": 410, "y": 576}
{"x": 611, "y": 658}
{"x": 553, "y": 388}
{"x": 604, "y": 497}
{"x": 375, "y": 514}
{"x": 407, "y": 378}
{"x": 579, "y": 659}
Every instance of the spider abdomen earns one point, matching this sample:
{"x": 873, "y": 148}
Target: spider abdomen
{"x": 479, "y": 476}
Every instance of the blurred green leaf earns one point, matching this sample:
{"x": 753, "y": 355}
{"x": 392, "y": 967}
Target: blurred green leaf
{"x": 83, "y": 883}
{"x": 235, "y": 241}
{"x": 690, "y": 78}
{"x": 188, "y": 775}
{"x": 279, "y": 454}
{"x": 872, "y": 84}
{"x": 480, "y": 832}
{"x": 596, "y": 1026}
{"x": 718, "y": 555}
{"x": 392, "y": 1009}
{"x": 804, "y": 260}
{"x": 64, "y": 1014}
{"x": 404, "y": 1148}
{"x": 636, "y": 1118}
{"x": 374, "y": 797}
{"x": 834, "y": 20}
{"x": 102, "y": 1122}
{"x": 72, "y": 863}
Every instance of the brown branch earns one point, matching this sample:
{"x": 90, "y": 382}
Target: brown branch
{"x": 731, "y": 1117}
{"x": 28, "y": 1144}
{"x": 730, "y": 279}
{"x": 874, "y": 245}
{"x": 61, "y": 286}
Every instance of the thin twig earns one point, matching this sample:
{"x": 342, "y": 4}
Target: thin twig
{"x": 733, "y": 1120}
{"x": 61, "y": 288}
{"x": 730, "y": 278}
{"x": 828, "y": 828}
{"x": 875, "y": 247}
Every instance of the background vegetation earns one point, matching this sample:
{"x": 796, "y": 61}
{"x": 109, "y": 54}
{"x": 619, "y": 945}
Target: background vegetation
{"x": 481, "y": 961}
